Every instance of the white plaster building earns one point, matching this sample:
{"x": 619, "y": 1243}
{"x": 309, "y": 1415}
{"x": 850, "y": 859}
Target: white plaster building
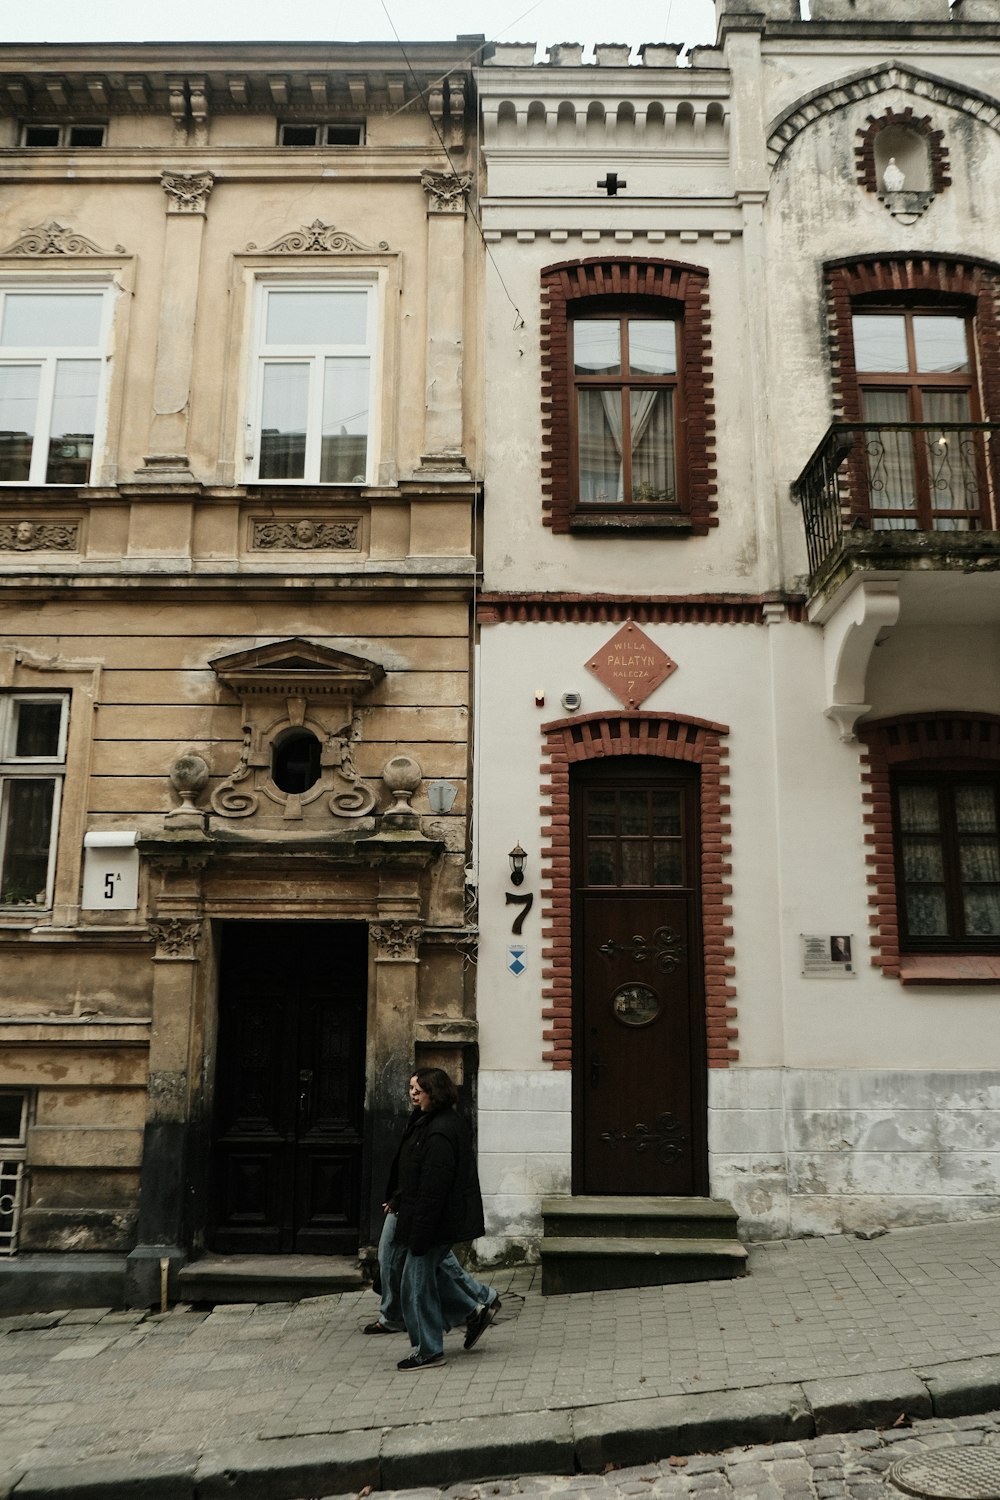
{"x": 714, "y": 312}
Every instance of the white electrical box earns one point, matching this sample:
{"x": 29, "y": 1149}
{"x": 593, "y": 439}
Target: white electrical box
{"x": 110, "y": 871}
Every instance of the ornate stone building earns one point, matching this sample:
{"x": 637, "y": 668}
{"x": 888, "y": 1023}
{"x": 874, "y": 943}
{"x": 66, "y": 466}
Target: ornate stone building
{"x": 237, "y": 522}
{"x": 751, "y": 766}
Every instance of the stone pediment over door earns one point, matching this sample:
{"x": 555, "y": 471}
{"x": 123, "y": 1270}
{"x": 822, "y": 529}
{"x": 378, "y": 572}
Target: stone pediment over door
{"x": 300, "y": 726}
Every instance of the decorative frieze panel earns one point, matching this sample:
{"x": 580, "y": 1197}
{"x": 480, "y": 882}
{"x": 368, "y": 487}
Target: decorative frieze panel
{"x": 306, "y": 536}
{"x": 39, "y": 536}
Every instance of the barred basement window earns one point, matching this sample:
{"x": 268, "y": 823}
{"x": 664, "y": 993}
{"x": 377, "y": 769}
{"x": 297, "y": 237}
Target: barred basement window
{"x": 13, "y": 1144}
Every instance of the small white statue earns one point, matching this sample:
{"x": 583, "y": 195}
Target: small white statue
{"x": 892, "y": 177}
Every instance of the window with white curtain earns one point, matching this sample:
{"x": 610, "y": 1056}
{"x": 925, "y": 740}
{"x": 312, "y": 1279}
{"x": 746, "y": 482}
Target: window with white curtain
{"x": 624, "y": 371}
{"x": 53, "y": 343}
{"x": 947, "y": 835}
{"x": 313, "y": 385}
{"x": 915, "y": 366}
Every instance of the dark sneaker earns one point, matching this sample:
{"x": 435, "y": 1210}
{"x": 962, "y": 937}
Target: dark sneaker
{"x": 379, "y": 1327}
{"x": 414, "y": 1362}
{"x": 477, "y": 1323}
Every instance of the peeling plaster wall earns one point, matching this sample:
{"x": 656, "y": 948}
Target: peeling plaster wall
{"x": 819, "y": 1151}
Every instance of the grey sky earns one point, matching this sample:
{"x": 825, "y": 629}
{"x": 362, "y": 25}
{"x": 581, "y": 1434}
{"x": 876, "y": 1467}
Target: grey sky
{"x": 542, "y": 21}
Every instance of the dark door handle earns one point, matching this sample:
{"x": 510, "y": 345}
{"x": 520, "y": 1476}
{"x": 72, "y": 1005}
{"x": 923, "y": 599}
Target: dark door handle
{"x": 305, "y": 1095}
{"x": 595, "y": 1072}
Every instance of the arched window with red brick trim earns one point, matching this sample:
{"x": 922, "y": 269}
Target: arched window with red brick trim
{"x": 628, "y": 419}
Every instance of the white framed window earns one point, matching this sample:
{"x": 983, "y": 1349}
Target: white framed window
{"x": 314, "y": 382}
{"x": 33, "y": 730}
{"x": 53, "y": 342}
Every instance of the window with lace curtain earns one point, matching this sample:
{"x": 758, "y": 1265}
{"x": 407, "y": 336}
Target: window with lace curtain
{"x": 625, "y": 378}
{"x": 947, "y": 834}
{"x": 917, "y": 390}
{"x": 628, "y": 416}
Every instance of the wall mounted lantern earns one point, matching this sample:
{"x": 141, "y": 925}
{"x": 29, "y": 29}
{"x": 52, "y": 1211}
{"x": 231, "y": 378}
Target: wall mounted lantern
{"x": 518, "y": 859}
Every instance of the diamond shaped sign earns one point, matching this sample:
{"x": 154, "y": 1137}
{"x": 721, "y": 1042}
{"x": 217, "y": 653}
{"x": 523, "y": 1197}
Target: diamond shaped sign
{"x": 631, "y": 665}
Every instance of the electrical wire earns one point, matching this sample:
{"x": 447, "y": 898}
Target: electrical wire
{"x": 518, "y": 319}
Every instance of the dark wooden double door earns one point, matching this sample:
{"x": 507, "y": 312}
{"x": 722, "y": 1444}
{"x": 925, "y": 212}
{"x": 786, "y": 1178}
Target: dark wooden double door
{"x": 639, "y": 1096}
{"x": 289, "y": 1091}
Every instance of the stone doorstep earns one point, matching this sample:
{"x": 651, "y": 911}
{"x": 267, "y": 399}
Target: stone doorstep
{"x": 639, "y": 1216}
{"x": 259, "y": 1278}
{"x": 576, "y": 1264}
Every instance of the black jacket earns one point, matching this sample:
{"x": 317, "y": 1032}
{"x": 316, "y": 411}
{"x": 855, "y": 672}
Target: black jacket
{"x": 436, "y": 1187}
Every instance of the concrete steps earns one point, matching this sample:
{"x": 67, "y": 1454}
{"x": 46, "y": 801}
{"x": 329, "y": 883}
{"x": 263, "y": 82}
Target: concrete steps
{"x": 599, "y": 1244}
{"x": 267, "y": 1278}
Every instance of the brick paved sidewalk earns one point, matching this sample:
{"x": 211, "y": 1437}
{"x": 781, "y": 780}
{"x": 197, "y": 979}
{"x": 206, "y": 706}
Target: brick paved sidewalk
{"x": 126, "y": 1385}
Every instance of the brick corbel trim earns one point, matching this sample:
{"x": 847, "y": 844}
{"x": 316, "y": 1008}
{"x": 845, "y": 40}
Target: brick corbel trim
{"x": 910, "y": 739}
{"x": 663, "y": 280}
{"x": 973, "y": 285}
{"x": 672, "y": 737}
{"x": 665, "y": 609}
{"x": 864, "y": 154}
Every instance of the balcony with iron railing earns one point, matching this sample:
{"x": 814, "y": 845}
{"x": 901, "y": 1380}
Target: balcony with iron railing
{"x": 906, "y": 496}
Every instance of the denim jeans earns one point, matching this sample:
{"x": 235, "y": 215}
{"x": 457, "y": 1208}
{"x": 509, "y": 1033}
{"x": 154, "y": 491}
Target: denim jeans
{"x": 420, "y": 1293}
{"x": 458, "y": 1292}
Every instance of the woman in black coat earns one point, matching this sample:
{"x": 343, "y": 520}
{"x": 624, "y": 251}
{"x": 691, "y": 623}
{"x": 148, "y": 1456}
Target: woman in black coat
{"x": 439, "y": 1202}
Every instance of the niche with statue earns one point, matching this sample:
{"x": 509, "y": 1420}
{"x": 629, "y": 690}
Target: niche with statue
{"x": 902, "y": 158}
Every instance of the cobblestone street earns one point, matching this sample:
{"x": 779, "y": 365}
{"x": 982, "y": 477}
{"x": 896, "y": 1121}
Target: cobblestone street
{"x": 850, "y": 1467}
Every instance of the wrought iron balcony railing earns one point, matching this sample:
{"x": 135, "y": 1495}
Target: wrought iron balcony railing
{"x": 897, "y": 476}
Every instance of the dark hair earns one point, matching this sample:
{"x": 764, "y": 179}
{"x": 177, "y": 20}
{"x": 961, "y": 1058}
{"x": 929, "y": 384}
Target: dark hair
{"x": 438, "y": 1087}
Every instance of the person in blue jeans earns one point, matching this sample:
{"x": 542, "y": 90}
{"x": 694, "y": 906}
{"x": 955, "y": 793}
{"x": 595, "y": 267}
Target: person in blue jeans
{"x": 463, "y": 1298}
{"x": 437, "y": 1201}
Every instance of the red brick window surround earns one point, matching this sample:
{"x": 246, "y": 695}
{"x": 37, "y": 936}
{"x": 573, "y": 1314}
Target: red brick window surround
{"x": 944, "y": 742}
{"x": 620, "y": 286}
{"x": 672, "y": 737}
{"x": 970, "y": 288}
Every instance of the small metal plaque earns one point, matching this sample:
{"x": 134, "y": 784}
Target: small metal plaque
{"x": 635, "y": 1004}
{"x": 631, "y": 665}
{"x": 950, "y": 1474}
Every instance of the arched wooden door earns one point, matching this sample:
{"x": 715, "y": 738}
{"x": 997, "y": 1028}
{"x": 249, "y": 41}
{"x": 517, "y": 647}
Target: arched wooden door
{"x": 639, "y": 1057}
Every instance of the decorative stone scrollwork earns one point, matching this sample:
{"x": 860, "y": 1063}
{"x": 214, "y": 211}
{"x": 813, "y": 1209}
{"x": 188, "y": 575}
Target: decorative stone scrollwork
{"x": 446, "y": 190}
{"x": 187, "y": 194}
{"x": 175, "y": 937}
{"x": 53, "y": 238}
{"x": 396, "y": 939}
{"x": 306, "y": 536}
{"x": 227, "y": 800}
{"x": 360, "y": 799}
{"x": 318, "y": 238}
{"x": 39, "y": 536}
